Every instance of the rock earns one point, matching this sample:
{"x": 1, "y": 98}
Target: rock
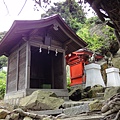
{"x": 85, "y": 92}
{"x": 62, "y": 116}
{"x": 92, "y": 93}
{"x": 3, "y": 113}
{"x": 27, "y": 118}
{"x": 76, "y": 110}
{"x": 104, "y": 66}
{"x": 75, "y": 94}
{"x": 48, "y": 118}
{"x": 116, "y": 62}
{"x": 12, "y": 116}
{"x": 41, "y": 100}
{"x": 109, "y": 92}
{"x": 95, "y": 105}
{"x": 116, "y": 59}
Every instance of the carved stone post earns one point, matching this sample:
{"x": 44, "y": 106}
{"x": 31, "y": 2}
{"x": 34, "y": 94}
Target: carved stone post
{"x": 113, "y": 77}
{"x": 93, "y": 75}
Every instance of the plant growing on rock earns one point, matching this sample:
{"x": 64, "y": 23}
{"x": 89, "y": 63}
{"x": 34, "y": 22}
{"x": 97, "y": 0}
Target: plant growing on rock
{"x": 2, "y": 84}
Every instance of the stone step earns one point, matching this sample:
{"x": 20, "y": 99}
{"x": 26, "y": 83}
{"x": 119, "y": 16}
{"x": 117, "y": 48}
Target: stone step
{"x": 48, "y": 112}
{"x": 68, "y": 104}
{"x": 76, "y": 110}
{"x": 70, "y": 111}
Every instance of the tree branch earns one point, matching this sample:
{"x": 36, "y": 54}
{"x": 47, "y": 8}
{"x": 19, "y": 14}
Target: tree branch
{"x": 22, "y": 7}
{"x": 6, "y": 7}
{"x": 118, "y": 36}
{"x": 95, "y": 4}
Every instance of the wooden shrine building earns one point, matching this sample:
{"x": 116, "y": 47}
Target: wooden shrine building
{"x": 36, "y": 52}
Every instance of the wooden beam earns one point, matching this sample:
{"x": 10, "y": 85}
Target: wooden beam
{"x": 53, "y": 48}
{"x": 40, "y": 38}
{"x": 36, "y": 25}
{"x": 69, "y": 35}
{"x": 33, "y": 32}
{"x": 66, "y": 43}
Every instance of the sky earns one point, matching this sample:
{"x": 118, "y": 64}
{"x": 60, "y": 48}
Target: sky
{"x": 14, "y": 7}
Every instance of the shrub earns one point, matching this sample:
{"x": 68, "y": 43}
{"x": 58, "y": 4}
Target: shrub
{"x": 2, "y": 84}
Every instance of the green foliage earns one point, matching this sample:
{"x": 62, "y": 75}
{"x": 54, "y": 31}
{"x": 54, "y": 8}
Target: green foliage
{"x": 2, "y": 84}
{"x": 98, "y": 36}
{"x": 68, "y": 83}
{"x": 70, "y": 11}
{"x": 3, "y": 61}
{"x": 94, "y": 41}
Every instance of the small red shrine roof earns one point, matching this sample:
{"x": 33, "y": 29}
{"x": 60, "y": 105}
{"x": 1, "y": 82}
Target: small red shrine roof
{"x": 81, "y": 54}
{"x": 20, "y": 28}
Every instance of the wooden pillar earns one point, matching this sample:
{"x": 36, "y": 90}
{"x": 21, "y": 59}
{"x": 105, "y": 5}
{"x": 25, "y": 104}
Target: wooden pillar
{"x": 17, "y": 71}
{"x": 7, "y": 75}
{"x": 64, "y": 72}
{"x": 52, "y": 72}
{"x": 28, "y": 59}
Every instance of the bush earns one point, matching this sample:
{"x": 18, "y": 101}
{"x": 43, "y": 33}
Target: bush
{"x": 2, "y": 84}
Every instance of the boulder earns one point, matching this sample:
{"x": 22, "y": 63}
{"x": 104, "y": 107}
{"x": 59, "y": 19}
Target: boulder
{"x": 109, "y": 92}
{"x": 3, "y": 113}
{"x": 95, "y": 105}
{"x": 41, "y": 100}
{"x": 27, "y": 118}
{"x": 12, "y": 116}
{"x": 75, "y": 94}
{"x": 92, "y": 93}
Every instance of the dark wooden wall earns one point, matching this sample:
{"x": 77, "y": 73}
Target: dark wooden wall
{"x": 16, "y": 69}
{"x": 12, "y": 68}
{"x": 21, "y": 68}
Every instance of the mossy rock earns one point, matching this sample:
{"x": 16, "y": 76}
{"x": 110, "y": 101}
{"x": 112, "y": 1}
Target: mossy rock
{"x": 41, "y": 100}
{"x": 95, "y": 105}
{"x": 109, "y": 92}
{"x": 75, "y": 94}
{"x": 92, "y": 93}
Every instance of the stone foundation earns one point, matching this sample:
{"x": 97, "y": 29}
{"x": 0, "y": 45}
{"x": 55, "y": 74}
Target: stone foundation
{"x": 14, "y": 97}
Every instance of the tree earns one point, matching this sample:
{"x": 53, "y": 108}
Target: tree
{"x": 3, "y": 61}
{"x": 71, "y": 12}
{"x": 109, "y": 9}
{"x": 98, "y": 36}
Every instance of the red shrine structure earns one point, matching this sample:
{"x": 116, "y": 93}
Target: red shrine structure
{"x": 77, "y": 60}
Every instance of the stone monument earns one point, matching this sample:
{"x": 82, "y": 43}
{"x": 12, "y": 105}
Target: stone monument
{"x": 93, "y": 73}
{"x": 113, "y": 77}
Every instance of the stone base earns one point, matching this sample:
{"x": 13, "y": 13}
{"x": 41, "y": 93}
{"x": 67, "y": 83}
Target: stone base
{"x": 14, "y": 97}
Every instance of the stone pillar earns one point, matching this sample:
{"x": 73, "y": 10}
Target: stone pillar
{"x": 93, "y": 75}
{"x": 113, "y": 78}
